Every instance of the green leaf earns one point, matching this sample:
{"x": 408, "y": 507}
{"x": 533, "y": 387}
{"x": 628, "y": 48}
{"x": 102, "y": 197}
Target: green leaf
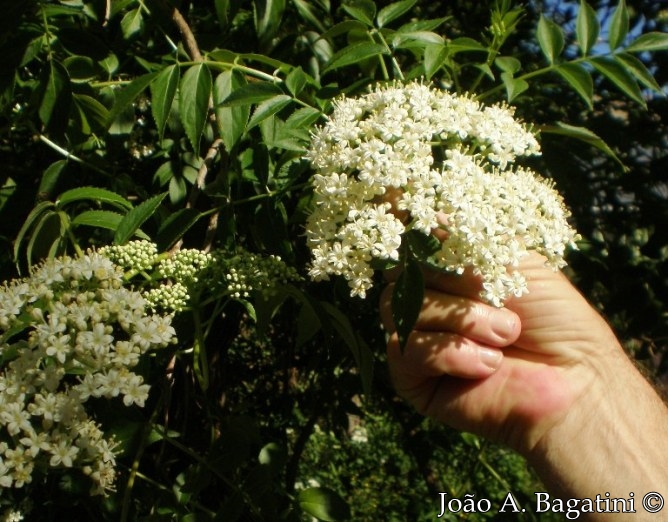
{"x": 407, "y": 299}
{"x": 81, "y": 69}
{"x": 34, "y": 215}
{"x": 399, "y": 40}
{"x": 587, "y": 27}
{"x": 619, "y": 25}
{"x": 508, "y": 64}
{"x": 423, "y": 25}
{"x": 50, "y": 178}
{"x": 303, "y": 118}
{"x": 393, "y": 11}
{"x": 57, "y": 96}
{"x": 653, "y": 41}
{"x": 434, "y": 56}
{"x": 175, "y": 226}
{"x": 98, "y": 218}
{"x": 93, "y": 194}
{"x": 195, "y": 93}
{"x": 231, "y": 120}
{"x": 308, "y": 13}
{"x": 132, "y": 23}
{"x": 579, "y": 79}
{"x": 251, "y": 93}
{"x": 323, "y": 504}
{"x": 550, "y": 38}
{"x": 584, "y": 135}
{"x": 136, "y": 218}
{"x": 514, "y": 86}
{"x": 128, "y": 95}
{"x": 163, "y": 91}
{"x": 268, "y": 17}
{"x": 345, "y": 27}
{"x": 355, "y": 53}
{"x": 95, "y": 113}
{"x": 618, "y": 75}
{"x": 638, "y": 69}
{"x": 296, "y": 80}
{"x": 362, "y": 10}
{"x": 268, "y": 108}
{"x": 464, "y": 44}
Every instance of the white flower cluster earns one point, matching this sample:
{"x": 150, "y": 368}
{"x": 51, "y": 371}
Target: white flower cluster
{"x": 68, "y": 333}
{"x": 408, "y": 157}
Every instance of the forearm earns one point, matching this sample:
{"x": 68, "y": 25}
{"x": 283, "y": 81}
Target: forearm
{"x": 611, "y": 444}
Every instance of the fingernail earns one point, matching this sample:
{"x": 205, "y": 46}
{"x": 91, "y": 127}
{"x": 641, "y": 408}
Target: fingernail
{"x": 490, "y": 358}
{"x": 502, "y": 323}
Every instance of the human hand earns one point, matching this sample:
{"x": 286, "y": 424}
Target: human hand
{"x": 509, "y": 374}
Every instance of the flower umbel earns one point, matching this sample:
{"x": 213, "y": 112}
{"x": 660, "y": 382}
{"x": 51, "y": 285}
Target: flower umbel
{"x": 409, "y": 157}
{"x": 68, "y": 333}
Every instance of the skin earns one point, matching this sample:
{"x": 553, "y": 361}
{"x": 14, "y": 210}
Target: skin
{"x": 544, "y": 375}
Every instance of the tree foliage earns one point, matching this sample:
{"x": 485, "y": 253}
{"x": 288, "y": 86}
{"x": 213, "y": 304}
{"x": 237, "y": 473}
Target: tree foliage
{"x": 186, "y": 123}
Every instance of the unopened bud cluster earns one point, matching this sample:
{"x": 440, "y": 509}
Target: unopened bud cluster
{"x": 177, "y": 277}
{"x": 70, "y": 332}
{"x": 409, "y": 157}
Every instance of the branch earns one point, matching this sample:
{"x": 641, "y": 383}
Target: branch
{"x": 188, "y": 37}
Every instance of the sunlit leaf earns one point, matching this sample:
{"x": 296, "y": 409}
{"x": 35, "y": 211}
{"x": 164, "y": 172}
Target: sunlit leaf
{"x": 639, "y": 70}
{"x": 400, "y": 40}
{"x": 514, "y": 86}
{"x": 93, "y": 194}
{"x": 163, "y": 91}
{"x": 296, "y": 80}
{"x": 251, "y": 93}
{"x": 653, "y": 41}
{"x": 550, "y": 38}
{"x": 268, "y": 108}
{"x": 362, "y": 10}
{"x": 620, "y": 76}
{"x": 324, "y": 504}
{"x": 268, "y": 17}
{"x": 98, "y": 218}
{"x": 136, "y": 218}
{"x": 195, "y": 94}
{"x": 619, "y": 25}
{"x": 579, "y": 79}
{"x": 587, "y": 27}
{"x": 391, "y": 12}
{"x": 355, "y": 53}
{"x": 132, "y": 23}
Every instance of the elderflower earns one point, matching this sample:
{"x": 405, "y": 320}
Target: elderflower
{"x": 68, "y": 333}
{"x": 406, "y": 158}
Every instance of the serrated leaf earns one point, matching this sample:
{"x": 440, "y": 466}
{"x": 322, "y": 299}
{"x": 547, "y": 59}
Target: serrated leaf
{"x": 98, "y": 218}
{"x": 618, "y": 75}
{"x": 163, "y": 91}
{"x": 391, "y": 12}
{"x": 195, "y": 94}
{"x": 324, "y": 504}
{"x": 296, "y": 80}
{"x": 653, "y": 41}
{"x": 355, "y": 53}
{"x": 582, "y": 134}
{"x": 550, "y": 38}
{"x": 251, "y": 93}
{"x": 95, "y": 113}
{"x": 136, "y": 218}
{"x": 175, "y": 226}
{"x": 93, "y": 194}
{"x": 303, "y": 118}
{"x": 514, "y": 86}
{"x": 231, "y": 120}
{"x": 579, "y": 79}
{"x": 434, "y": 56}
{"x": 638, "y": 69}
{"x": 587, "y": 27}
{"x": 407, "y": 298}
{"x": 128, "y": 94}
{"x": 619, "y": 25}
{"x": 345, "y": 27}
{"x": 57, "y": 96}
{"x": 362, "y": 10}
{"x": 132, "y": 23}
{"x": 268, "y": 108}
